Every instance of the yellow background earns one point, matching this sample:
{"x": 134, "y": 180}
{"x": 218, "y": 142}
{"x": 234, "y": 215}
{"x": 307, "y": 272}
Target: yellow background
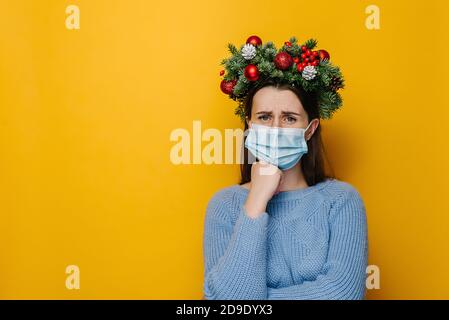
{"x": 86, "y": 115}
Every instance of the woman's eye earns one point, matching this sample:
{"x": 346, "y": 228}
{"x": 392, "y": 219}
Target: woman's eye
{"x": 264, "y": 117}
{"x": 290, "y": 119}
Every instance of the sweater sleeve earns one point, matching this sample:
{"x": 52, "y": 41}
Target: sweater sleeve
{"x": 234, "y": 255}
{"x": 344, "y": 272}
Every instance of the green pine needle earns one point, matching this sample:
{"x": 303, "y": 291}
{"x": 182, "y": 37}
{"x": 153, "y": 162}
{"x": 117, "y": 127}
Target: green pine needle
{"x": 232, "y": 49}
{"x": 311, "y": 43}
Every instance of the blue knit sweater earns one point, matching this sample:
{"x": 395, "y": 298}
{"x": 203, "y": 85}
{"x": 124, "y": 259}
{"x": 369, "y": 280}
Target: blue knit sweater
{"x": 310, "y": 243}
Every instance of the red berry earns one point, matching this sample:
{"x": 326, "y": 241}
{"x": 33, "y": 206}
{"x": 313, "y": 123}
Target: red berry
{"x": 315, "y": 63}
{"x": 295, "y": 59}
{"x": 304, "y": 64}
{"x": 288, "y": 43}
{"x": 306, "y": 60}
{"x": 309, "y": 64}
{"x": 304, "y": 48}
{"x": 299, "y": 67}
{"x": 303, "y": 56}
{"x": 222, "y": 72}
{"x": 308, "y": 52}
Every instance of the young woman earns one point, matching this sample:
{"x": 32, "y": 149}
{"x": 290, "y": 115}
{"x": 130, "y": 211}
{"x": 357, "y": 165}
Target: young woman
{"x": 288, "y": 230}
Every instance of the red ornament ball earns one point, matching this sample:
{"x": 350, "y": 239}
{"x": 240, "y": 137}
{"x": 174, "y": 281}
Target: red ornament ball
{"x": 251, "y": 72}
{"x": 227, "y": 86}
{"x": 283, "y": 60}
{"x": 254, "y": 40}
{"x": 324, "y": 55}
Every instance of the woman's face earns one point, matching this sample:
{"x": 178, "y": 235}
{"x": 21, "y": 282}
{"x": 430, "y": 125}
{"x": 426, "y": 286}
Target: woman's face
{"x": 278, "y": 108}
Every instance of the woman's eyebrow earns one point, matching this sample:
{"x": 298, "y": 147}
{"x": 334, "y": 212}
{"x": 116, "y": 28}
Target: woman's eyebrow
{"x": 264, "y": 112}
{"x": 290, "y": 112}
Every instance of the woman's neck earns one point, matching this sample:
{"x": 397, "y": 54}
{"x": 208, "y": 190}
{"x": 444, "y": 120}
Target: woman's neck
{"x": 293, "y": 179}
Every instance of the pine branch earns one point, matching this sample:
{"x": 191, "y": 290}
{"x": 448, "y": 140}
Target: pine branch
{"x": 232, "y": 49}
{"x": 240, "y": 111}
{"x": 269, "y": 44}
{"x": 311, "y": 43}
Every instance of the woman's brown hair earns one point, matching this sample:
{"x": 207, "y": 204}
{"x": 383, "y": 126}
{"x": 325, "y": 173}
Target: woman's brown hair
{"x": 313, "y": 162}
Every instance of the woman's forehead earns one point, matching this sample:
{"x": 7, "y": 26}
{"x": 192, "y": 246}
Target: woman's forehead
{"x": 270, "y": 99}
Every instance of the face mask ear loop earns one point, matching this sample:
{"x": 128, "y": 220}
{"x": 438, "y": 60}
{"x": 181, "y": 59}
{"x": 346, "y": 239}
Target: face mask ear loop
{"x": 305, "y": 130}
{"x": 308, "y": 126}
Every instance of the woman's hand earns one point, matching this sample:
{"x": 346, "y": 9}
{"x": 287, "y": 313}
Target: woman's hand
{"x": 265, "y": 182}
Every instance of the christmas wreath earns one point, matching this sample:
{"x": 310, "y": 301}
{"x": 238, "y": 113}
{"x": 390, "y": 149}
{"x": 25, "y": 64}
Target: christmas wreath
{"x": 295, "y": 64}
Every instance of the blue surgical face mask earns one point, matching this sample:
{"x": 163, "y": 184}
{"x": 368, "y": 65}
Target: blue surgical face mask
{"x": 282, "y": 147}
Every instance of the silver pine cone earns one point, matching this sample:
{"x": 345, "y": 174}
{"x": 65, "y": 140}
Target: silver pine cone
{"x": 248, "y": 51}
{"x": 309, "y": 73}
